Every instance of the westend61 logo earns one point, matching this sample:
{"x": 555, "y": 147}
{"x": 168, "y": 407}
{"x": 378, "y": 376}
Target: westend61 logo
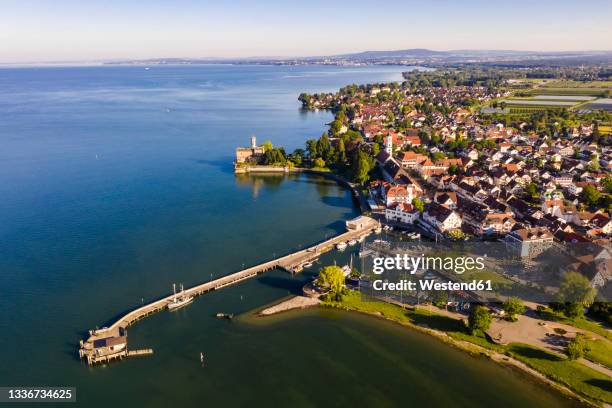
{"x": 412, "y": 264}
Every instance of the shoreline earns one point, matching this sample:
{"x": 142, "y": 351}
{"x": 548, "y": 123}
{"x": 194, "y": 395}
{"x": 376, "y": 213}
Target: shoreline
{"x": 476, "y": 350}
{"x": 295, "y": 303}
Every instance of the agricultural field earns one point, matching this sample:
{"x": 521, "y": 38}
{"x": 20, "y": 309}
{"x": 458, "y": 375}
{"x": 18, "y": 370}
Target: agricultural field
{"x": 553, "y": 87}
{"x": 604, "y": 104}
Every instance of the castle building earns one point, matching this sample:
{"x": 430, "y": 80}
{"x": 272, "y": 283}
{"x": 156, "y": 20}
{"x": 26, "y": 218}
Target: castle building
{"x": 253, "y": 154}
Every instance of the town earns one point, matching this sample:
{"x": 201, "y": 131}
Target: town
{"x": 424, "y": 152}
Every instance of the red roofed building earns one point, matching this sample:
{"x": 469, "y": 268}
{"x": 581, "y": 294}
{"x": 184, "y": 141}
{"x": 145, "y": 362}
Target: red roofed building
{"x": 402, "y": 212}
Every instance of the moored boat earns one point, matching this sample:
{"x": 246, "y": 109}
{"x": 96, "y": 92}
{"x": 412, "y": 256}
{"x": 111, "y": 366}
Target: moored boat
{"x": 179, "y": 301}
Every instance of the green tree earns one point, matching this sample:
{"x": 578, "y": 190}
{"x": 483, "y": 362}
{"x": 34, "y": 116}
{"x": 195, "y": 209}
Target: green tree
{"x": 362, "y": 163}
{"x": 594, "y": 164}
{"x": 335, "y": 127}
{"x": 418, "y": 204}
{"x": 531, "y": 190}
{"x": 332, "y": 277}
{"x": 439, "y": 298}
{"x": 437, "y": 156}
{"x": 575, "y": 293}
{"x": 607, "y": 184}
{"x": 479, "y": 320}
{"x": 312, "y": 147}
{"x": 577, "y": 347}
{"x": 319, "y": 162}
{"x": 267, "y": 145}
{"x": 590, "y": 195}
{"x": 375, "y": 149}
{"x": 513, "y": 306}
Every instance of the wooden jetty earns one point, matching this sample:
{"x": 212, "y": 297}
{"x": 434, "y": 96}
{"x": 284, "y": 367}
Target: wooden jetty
{"x": 99, "y": 347}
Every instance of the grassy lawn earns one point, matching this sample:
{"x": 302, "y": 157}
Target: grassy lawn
{"x": 580, "y": 322}
{"x": 600, "y": 352}
{"x": 576, "y": 376}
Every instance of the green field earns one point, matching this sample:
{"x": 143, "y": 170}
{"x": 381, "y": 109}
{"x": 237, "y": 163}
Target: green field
{"x": 576, "y": 376}
{"x": 569, "y": 91}
{"x": 577, "y": 84}
{"x": 600, "y": 351}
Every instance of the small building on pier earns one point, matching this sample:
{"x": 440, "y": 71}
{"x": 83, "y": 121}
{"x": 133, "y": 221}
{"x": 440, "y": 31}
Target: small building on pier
{"x": 360, "y": 223}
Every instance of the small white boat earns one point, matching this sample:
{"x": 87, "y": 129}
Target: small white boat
{"x": 341, "y": 246}
{"x": 180, "y": 300}
{"x": 307, "y": 265}
{"x": 381, "y": 242}
{"x": 352, "y": 242}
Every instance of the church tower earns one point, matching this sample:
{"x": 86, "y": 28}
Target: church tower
{"x": 389, "y": 145}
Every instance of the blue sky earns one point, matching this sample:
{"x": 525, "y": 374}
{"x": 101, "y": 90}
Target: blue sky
{"x": 56, "y": 30}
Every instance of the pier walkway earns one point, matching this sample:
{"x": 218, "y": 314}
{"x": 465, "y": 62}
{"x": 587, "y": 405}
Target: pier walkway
{"x": 291, "y": 263}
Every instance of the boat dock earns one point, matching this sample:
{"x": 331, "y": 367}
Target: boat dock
{"x": 102, "y": 343}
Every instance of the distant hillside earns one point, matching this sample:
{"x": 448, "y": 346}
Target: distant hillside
{"x": 409, "y": 53}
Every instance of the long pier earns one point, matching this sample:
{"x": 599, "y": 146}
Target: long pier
{"x": 291, "y": 263}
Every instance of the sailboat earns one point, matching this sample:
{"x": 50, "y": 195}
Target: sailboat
{"x": 180, "y": 300}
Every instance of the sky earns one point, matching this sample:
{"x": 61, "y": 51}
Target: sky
{"x": 84, "y": 30}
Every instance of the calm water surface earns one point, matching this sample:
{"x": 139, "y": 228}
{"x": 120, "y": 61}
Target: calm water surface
{"x": 117, "y": 181}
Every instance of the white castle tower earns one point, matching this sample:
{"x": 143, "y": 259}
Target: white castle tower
{"x": 253, "y": 142}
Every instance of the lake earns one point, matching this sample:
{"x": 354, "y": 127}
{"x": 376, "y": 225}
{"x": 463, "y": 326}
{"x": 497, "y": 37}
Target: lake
{"x": 117, "y": 181}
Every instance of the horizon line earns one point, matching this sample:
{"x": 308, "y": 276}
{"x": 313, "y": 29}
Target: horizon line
{"x": 284, "y": 57}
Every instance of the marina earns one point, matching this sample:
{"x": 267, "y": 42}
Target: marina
{"x": 110, "y": 343}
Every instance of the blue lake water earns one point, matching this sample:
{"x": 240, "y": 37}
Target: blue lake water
{"x": 117, "y": 181}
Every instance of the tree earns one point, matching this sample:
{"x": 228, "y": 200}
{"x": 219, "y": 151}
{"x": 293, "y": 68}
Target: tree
{"x": 577, "y": 347}
{"x": 513, "y": 306}
{"x": 607, "y": 184}
{"x": 593, "y": 164}
{"x": 480, "y": 319}
{"x": 319, "y": 162}
{"x": 332, "y": 277}
{"x": 275, "y": 156}
{"x": 267, "y": 145}
{"x": 439, "y": 298}
{"x": 312, "y": 148}
{"x": 418, "y": 204}
{"x": 590, "y": 195}
{"x": 375, "y": 149}
{"x": 437, "y": 156}
{"x": 361, "y": 165}
{"x": 335, "y": 127}
{"x": 575, "y": 293}
{"x": 323, "y": 146}
{"x": 531, "y": 189}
